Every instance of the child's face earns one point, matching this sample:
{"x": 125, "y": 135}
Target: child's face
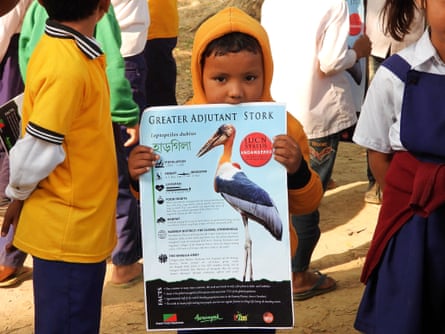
{"x": 435, "y": 14}
{"x": 233, "y": 78}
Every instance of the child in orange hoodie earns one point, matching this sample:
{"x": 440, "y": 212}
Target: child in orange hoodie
{"x": 232, "y": 63}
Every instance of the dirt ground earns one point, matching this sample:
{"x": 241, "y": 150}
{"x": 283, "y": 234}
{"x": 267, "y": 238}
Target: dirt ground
{"x": 347, "y": 225}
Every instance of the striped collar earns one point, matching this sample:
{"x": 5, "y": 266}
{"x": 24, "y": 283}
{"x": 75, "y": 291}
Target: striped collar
{"x": 88, "y": 46}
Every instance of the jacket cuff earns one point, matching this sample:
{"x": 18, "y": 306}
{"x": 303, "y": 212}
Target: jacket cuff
{"x": 300, "y": 178}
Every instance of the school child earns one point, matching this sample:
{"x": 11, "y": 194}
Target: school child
{"x": 401, "y": 125}
{"x": 311, "y": 77}
{"x": 134, "y": 22}
{"x": 125, "y": 257}
{"x": 232, "y": 63}
{"x": 133, "y": 19}
{"x": 63, "y": 175}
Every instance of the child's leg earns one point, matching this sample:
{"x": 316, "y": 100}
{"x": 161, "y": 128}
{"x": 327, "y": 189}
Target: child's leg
{"x": 128, "y": 250}
{"x": 136, "y": 74}
{"x": 161, "y": 72}
{"x": 67, "y": 296}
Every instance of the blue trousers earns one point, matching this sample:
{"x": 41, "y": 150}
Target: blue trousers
{"x": 128, "y": 223}
{"x": 67, "y": 296}
{"x": 161, "y": 72}
{"x": 136, "y": 74}
{"x": 129, "y": 244}
{"x": 323, "y": 152}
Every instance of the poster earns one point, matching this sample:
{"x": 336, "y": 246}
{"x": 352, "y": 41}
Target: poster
{"x": 357, "y": 74}
{"x": 10, "y": 118}
{"x": 194, "y": 238}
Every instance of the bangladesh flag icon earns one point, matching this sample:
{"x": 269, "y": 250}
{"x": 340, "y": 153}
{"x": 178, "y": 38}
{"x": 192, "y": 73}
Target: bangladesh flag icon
{"x": 170, "y": 317}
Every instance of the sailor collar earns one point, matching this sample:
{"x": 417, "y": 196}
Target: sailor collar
{"x": 87, "y": 45}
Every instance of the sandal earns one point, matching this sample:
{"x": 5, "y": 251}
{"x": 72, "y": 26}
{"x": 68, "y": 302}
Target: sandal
{"x": 315, "y": 289}
{"x": 17, "y": 277}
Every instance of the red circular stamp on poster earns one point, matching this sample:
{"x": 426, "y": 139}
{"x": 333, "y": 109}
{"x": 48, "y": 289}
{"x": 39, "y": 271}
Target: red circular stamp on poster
{"x": 355, "y": 24}
{"x": 256, "y": 149}
{"x": 268, "y": 317}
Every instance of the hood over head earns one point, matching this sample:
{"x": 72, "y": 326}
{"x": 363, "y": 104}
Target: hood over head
{"x": 226, "y": 21}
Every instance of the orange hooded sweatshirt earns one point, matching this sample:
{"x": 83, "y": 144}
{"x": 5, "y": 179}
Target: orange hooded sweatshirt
{"x": 302, "y": 200}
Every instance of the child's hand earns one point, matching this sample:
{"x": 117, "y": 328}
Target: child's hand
{"x": 287, "y": 152}
{"x": 11, "y": 219}
{"x": 140, "y": 160}
{"x": 362, "y": 46}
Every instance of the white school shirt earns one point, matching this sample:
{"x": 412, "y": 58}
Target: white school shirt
{"x": 310, "y": 54}
{"x": 378, "y": 127}
{"x": 134, "y": 19}
{"x": 11, "y": 24}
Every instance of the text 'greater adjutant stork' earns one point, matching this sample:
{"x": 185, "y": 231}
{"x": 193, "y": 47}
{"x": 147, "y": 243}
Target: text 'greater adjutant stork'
{"x": 250, "y": 200}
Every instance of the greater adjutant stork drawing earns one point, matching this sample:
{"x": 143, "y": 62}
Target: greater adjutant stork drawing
{"x": 250, "y": 200}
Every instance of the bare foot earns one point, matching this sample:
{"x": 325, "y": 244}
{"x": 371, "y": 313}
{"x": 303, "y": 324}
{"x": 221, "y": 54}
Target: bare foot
{"x": 124, "y": 274}
{"x": 303, "y": 281}
{"x": 5, "y": 272}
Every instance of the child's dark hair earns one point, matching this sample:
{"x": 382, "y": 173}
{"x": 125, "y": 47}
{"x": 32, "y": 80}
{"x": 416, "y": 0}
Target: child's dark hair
{"x": 398, "y": 16}
{"x": 231, "y": 43}
{"x": 69, "y": 10}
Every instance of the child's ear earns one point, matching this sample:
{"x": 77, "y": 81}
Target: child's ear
{"x": 104, "y": 5}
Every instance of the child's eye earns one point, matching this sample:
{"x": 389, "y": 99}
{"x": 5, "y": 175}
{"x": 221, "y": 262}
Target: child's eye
{"x": 251, "y": 77}
{"x": 220, "y": 79}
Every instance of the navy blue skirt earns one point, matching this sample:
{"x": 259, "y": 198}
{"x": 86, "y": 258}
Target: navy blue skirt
{"x": 406, "y": 292}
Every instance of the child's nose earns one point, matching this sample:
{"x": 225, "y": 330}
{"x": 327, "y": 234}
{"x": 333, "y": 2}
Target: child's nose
{"x": 235, "y": 91}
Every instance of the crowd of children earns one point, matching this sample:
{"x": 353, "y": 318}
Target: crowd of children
{"x": 63, "y": 181}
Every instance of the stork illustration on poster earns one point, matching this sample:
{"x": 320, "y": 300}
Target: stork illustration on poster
{"x": 215, "y": 218}
{"x": 357, "y": 73}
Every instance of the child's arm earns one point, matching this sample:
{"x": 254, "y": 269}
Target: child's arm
{"x": 124, "y": 109}
{"x": 379, "y": 164}
{"x": 31, "y": 160}
{"x": 11, "y": 218}
{"x": 304, "y": 186}
{"x": 287, "y": 152}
